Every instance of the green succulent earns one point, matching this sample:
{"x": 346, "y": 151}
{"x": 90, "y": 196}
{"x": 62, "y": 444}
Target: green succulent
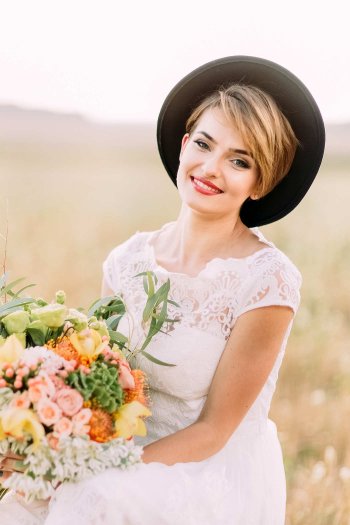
{"x": 100, "y": 386}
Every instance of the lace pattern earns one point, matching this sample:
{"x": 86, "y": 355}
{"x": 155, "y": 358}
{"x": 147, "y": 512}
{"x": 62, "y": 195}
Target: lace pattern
{"x": 222, "y": 291}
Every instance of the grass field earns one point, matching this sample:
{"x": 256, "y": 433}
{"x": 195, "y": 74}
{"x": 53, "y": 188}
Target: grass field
{"x": 69, "y": 205}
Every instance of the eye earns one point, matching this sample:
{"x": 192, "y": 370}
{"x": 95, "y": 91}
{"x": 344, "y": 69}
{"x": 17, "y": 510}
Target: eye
{"x": 201, "y": 144}
{"x": 240, "y": 163}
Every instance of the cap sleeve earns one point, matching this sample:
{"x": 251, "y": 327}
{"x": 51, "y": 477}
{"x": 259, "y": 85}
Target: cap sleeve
{"x": 275, "y": 281}
{"x": 111, "y": 265}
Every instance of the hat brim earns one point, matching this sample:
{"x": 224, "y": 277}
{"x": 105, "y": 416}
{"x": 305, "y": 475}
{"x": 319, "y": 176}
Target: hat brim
{"x": 293, "y": 98}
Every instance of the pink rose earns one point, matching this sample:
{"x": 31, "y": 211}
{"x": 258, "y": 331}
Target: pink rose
{"x": 48, "y": 384}
{"x": 57, "y": 382}
{"x": 69, "y": 400}
{"x": 21, "y": 401}
{"x": 48, "y": 412}
{"x": 63, "y": 427}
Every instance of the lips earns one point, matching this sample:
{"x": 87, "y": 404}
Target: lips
{"x": 204, "y": 186}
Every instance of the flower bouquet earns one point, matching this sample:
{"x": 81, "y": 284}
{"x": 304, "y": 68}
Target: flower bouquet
{"x": 69, "y": 402}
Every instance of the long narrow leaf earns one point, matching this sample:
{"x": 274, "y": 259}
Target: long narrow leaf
{"x": 155, "y": 360}
{"x": 117, "y": 336}
{"x": 113, "y": 321}
{"x": 9, "y": 287}
{"x": 99, "y": 302}
{"x": 152, "y": 303}
{"x": 3, "y": 280}
{"x": 13, "y": 305}
{"x": 25, "y": 288}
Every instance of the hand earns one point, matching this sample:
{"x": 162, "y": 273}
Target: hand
{"x": 10, "y": 463}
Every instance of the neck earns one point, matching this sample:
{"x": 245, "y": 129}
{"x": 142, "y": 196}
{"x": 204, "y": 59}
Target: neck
{"x": 198, "y": 239}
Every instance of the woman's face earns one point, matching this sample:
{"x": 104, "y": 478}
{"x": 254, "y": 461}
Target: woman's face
{"x": 217, "y": 172}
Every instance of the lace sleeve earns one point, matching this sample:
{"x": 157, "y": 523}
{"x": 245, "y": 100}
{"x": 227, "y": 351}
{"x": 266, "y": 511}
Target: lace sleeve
{"x": 274, "y": 281}
{"x": 111, "y": 270}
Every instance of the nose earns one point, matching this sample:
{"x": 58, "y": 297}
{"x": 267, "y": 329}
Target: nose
{"x": 211, "y": 166}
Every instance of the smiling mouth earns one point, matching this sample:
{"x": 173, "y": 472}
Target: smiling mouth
{"x": 205, "y": 187}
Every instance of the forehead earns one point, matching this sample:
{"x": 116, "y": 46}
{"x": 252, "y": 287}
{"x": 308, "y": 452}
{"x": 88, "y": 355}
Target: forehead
{"x": 221, "y": 128}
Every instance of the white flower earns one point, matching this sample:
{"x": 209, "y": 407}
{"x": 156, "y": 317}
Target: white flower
{"x": 6, "y": 395}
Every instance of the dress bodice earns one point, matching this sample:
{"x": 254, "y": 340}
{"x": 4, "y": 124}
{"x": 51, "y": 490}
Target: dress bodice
{"x": 209, "y": 305}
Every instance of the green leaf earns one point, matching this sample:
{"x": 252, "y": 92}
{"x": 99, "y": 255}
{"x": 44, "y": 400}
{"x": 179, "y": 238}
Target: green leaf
{"x": 148, "y": 273}
{"x": 9, "y": 287}
{"x": 14, "y": 305}
{"x": 3, "y": 280}
{"x": 37, "y": 336}
{"x": 111, "y": 303}
{"x": 173, "y": 302}
{"x": 117, "y": 337}
{"x": 152, "y": 303}
{"x": 155, "y": 360}
{"x": 24, "y": 288}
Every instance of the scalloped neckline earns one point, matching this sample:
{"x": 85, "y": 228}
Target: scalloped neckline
{"x": 268, "y": 246}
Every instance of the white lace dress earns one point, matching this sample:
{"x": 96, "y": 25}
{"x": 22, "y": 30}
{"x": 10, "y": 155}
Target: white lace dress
{"x": 242, "y": 484}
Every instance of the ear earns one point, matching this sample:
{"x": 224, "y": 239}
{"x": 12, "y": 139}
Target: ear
{"x": 254, "y": 197}
{"x": 184, "y": 142}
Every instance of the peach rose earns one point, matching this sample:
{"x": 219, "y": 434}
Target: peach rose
{"x": 48, "y": 412}
{"x": 80, "y": 422}
{"x": 81, "y": 430}
{"x": 36, "y": 391}
{"x": 69, "y": 400}
{"x": 53, "y": 441}
{"x": 82, "y": 417}
{"x": 21, "y": 401}
{"x": 63, "y": 427}
{"x": 126, "y": 379}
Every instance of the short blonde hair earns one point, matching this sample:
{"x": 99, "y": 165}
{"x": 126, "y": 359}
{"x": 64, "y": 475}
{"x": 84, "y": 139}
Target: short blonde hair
{"x": 265, "y": 131}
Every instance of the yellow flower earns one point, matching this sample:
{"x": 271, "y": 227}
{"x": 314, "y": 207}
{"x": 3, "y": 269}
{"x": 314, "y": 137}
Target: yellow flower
{"x": 12, "y": 350}
{"x": 17, "y": 422}
{"x": 128, "y": 420}
{"x": 88, "y": 343}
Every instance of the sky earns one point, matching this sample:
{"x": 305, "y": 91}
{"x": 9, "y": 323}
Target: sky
{"x": 113, "y": 60}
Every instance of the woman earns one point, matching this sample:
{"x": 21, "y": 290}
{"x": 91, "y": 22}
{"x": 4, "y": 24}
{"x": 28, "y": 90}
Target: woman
{"x": 245, "y": 156}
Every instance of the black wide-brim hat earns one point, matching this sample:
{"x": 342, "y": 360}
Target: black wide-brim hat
{"x": 292, "y": 97}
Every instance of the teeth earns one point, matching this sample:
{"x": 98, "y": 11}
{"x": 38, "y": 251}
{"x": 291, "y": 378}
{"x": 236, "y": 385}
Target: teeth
{"x": 205, "y": 186}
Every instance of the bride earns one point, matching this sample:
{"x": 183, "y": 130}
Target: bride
{"x": 242, "y": 138}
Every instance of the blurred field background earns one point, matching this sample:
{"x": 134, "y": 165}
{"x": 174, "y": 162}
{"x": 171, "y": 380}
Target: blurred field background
{"x": 70, "y": 190}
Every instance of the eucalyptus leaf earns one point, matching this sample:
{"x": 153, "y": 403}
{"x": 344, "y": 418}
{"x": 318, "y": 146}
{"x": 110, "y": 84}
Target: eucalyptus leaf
{"x": 155, "y": 360}
{"x": 152, "y": 303}
{"x": 117, "y": 337}
{"x": 113, "y": 321}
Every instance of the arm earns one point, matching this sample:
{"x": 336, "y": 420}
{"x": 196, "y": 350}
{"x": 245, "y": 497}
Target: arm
{"x": 244, "y": 366}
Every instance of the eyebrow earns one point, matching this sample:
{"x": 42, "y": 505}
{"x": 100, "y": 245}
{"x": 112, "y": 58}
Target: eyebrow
{"x": 241, "y": 151}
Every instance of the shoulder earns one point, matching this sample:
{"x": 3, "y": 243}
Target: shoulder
{"x": 133, "y": 244}
{"x": 122, "y": 256}
{"x": 273, "y": 280}
{"x": 270, "y": 260}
